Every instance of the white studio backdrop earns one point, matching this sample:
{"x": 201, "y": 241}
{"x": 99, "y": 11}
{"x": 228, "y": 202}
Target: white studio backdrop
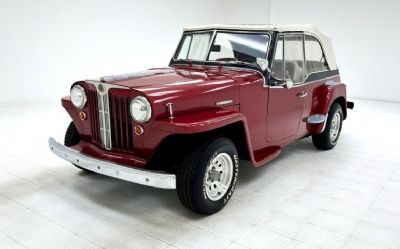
{"x": 46, "y": 45}
{"x": 366, "y": 35}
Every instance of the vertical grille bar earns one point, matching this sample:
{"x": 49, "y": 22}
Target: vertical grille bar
{"x": 104, "y": 117}
{"x": 114, "y": 131}
{"x": 95, "y": 119}
{"x": 120, "y": 122}
{"x": 128, "y": 136}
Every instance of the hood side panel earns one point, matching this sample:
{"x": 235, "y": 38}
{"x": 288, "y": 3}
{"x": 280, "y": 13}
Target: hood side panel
{"x": 188, "y": 88}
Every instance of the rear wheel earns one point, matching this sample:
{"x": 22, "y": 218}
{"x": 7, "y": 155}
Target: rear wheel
{"x": 207, "y": 176}
{"x": 330, "y": 136}
{"x": 72, "y": 138}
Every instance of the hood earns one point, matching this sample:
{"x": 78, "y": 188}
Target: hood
{"x": 166, "y": 76}
{"x": 189, "y": 89}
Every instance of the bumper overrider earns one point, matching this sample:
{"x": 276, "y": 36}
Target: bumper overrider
{"x": 145, "y": 177}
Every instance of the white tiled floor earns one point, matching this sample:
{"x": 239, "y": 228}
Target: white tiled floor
{"x": 348, "y": 197}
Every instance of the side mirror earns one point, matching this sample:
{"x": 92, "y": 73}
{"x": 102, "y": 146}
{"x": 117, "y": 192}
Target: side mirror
{"x": 263, "y": 64}
{"x": 216, "y": 48}
{"x": 288, "y": 83}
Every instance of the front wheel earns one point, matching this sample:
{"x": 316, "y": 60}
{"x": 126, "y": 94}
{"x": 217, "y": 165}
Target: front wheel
{"x": 207, "y": 176}
{"x": 330, "y": 136}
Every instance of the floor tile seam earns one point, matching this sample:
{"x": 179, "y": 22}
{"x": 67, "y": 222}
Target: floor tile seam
{"x": 10, "y": 237}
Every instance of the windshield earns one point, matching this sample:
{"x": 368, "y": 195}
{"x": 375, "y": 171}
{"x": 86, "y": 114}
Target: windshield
{"x": 227, "y": 47}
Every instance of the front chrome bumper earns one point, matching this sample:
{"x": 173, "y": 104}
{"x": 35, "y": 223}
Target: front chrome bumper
{"x": 140, "y": 176}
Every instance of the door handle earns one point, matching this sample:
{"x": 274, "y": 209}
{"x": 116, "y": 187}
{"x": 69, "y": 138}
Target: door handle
{"x": 301, "y": 94}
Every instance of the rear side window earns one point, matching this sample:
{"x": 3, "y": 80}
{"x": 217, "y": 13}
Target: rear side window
{"x": 288, "y": 62}
{"x": 315, "y": 59}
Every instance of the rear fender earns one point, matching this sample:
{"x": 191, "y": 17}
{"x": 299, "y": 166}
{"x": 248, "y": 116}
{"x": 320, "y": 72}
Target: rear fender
{"x": 324, "y": 97}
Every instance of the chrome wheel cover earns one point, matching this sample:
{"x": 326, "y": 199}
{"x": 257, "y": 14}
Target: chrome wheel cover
{"x": 218, "y": 176}
{"x": 335, "y": 127}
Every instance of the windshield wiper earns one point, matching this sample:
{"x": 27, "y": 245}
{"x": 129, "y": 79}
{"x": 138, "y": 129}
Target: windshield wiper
{"x": 185, "y": 60}
{"x": 189, "y": 61}
{"x": 236, "y": 62}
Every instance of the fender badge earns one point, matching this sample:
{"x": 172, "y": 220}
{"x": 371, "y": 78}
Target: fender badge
{"x": 225, "y": 102}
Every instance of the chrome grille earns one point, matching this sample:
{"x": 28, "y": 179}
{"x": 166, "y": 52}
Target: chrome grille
{"x": 106, "y": 123}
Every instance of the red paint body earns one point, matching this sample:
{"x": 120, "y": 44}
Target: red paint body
{"x": 271, "y": 117}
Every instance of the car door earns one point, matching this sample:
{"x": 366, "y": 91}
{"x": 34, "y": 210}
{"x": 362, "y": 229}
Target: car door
{"x": 286, "y": 96}
{"x": 317, "y": 72}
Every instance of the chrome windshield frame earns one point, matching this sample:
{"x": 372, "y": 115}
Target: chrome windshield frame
{"x": 175, "y": 61}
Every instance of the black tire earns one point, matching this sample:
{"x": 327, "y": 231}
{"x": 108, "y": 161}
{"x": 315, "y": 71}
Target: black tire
{"x": 191, "y": 176}
{"x": 72, "y": 138}
{"x": 323, "y": 140}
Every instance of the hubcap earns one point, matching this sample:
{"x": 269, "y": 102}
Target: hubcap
{"x": 335, "y": 127}
{"x": 218, "y": 176}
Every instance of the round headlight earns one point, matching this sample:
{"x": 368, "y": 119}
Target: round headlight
{"x": 78, "y": 96}
{"x": 140, "y": 109}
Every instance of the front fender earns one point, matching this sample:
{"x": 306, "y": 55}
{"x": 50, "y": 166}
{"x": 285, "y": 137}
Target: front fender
{"x": 208, "y": 121}
{"x": 198, "y": 122}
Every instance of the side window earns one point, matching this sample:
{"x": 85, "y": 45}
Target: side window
{"x": 294, "y": 58}
{"x": 315, "y": 59}
{"x": 277, "y": 64}
{"x": 184, "y": 51}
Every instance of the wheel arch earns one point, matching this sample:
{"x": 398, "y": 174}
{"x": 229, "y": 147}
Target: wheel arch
{"x": 342, "y": 102}
{"x": 168, "y": 153}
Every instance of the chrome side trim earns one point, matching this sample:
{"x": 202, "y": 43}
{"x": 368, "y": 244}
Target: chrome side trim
{"x": 144, "y": 177}
{"x": 306, "y": 83}
{"x": 316, "y": 119}
{"x": 331, "y": 83}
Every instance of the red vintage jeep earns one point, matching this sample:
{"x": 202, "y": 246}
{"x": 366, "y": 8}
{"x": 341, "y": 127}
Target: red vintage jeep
{"x": 230, "y": 92}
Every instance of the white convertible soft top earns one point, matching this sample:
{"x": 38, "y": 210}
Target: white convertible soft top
{"x": 326, "y": 41}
